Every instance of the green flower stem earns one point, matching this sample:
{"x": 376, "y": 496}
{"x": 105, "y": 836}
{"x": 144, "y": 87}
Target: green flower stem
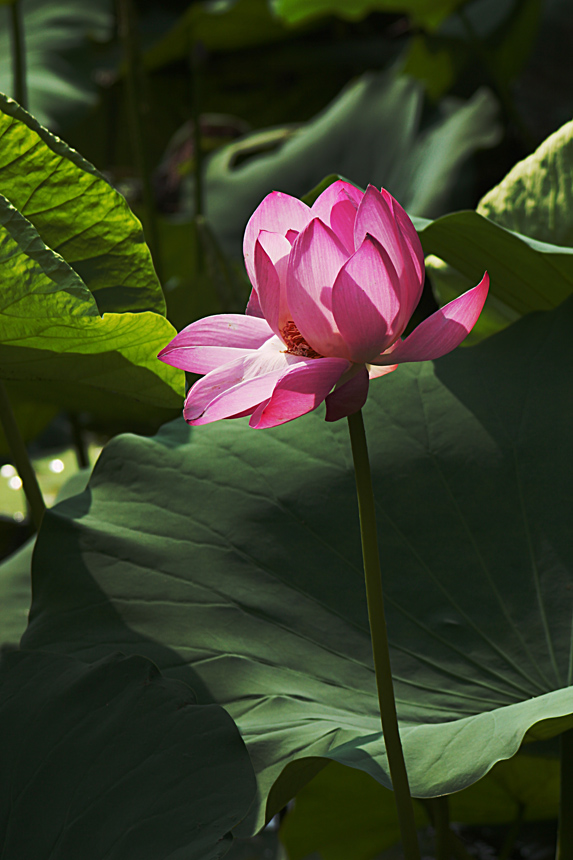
{"x": 377, "y": 619}
{"x": 18, "y": 54}
{"x": 565, "y": 826}
{"x": 21, "y": 459}
{"x": 137, "y": 107}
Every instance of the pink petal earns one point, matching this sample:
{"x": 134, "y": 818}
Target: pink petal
{"x": 374, "y": 371}
{"x": 336, "y": 207}
{"x": 210, "y": 342}
{"x": 271, "y": 259}
{"x": 409, "y": 233}
{"x": 349, "y": 398}
{"x": 277, "y": 213}
{"x": 366, "y": 302}
{"x": 443, "y": 331}
{"x": 315, "y": 260}
{"x": 253, "y": 308}
{"x": 336, "y": 191}
{"x": 300, "y": 390}
{"x": 376, "y": 216}
{"x": 237, "y": 401}
{"x": 231, "y": 388}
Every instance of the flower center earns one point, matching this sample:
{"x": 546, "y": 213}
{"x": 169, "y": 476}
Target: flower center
{"x": 295, "y": 342}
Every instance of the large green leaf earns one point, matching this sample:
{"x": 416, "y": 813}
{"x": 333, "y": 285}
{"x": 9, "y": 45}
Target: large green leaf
{"x": 232, "y": 559}
{"x": 428, "y": 13}
{"x": 370, "y": 134}
{"x": 77, "y": 213}
{"x": 536, "y": 196}
{"x": 59, "y": 58}
{"x": 345, "y": 815}
{"x": 54, "y": 342}
{"x": 113, "y": 760}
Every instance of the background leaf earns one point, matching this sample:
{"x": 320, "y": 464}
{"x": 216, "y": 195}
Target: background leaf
{"x": 535, "y": 202}
{"x": 536, "y": 196}
{"x": 58, "y": 38}
{"x": 113, "y": 760}
{"x": 371, "y": 134}
{"x": 232, "y": 559}
{"x": 427, "y": 13}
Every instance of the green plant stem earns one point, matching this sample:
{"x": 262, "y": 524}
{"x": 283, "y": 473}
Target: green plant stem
{"x": 442, "y": 828}
{"x": 565, "y": 825}
{"x": 21, "y": 459}
{"x": 137, "y": 108}
{"x": 80, "y": 447}
{"x": 377, "y": 619}
{"x": 18, "y": 54}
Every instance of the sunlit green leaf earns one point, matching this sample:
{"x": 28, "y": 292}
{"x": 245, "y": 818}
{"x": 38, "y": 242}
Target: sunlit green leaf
{"x": 113, "y": 760}
{"x": 77, "y": 213}
{"x": 55, "y": 343}
{"x": 536, "y": 196}
{"x": 231, "y": 557}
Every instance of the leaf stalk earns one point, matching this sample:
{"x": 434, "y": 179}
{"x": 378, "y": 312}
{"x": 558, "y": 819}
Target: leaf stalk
{"x": 565, "y": 823}
{"x": 21, "y": 458}
{"x": 18, "y": 54}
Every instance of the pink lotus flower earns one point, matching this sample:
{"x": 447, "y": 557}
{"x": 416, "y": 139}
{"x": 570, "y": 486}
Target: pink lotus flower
{"x": 334, "y": 286}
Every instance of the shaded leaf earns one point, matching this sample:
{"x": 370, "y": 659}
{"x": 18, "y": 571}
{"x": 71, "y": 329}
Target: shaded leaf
{"x": 77, "y": 213}
{"x": 113, "y": 760}
{"x": 232, "y": 559}
{"x": 525, "y": 274}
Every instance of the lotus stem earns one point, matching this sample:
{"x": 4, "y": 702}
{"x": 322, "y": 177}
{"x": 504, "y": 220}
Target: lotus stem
{"x": 21, "y": 458}
{"x": 378, "y": 632}
{"x": 18, "y": 54}
{"x": 565, "y": 825}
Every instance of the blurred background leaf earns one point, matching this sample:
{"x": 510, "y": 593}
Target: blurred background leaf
{"x": 61, "y": 40}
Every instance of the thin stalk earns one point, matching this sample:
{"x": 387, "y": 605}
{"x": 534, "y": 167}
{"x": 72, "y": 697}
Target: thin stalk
{"x": 442, "y": 828}
{"x": 565, "y": 825}
{"x": 18, "y": 53}
{"x": 456, "y": 847}
{"x": 137, "y": 108}
{"x": 497, "y": 83}
{"x": 195, "y": 58}
{"x": 20, "y": 458}
{"x": 377, "y": 619}
{"x": 80, "y": 447}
